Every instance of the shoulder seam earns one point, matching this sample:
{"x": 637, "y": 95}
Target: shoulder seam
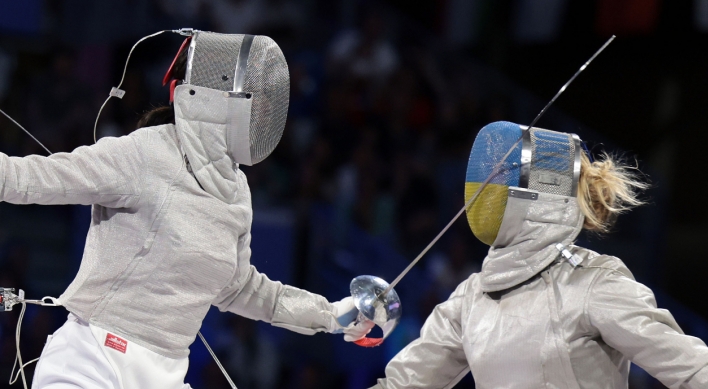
{"x": 586, "y": 298}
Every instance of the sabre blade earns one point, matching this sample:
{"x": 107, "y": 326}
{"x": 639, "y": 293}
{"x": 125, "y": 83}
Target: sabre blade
{"x": 231, "y": 383}
{"x": 26, "y": 132}
{"x": 494, "y": 172}
{"x": 447, "y": 227}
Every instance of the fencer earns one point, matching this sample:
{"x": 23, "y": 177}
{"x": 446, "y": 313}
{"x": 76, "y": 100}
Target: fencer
{"x": 544, "y": 312}
{"x": 171, "y": 220}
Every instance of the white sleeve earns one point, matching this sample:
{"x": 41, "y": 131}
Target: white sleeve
{"x": 625, "y": 314}
{"x": 108, "y": 173}
{"x": 253, "y": 295}
{"x": 436, "y": 359}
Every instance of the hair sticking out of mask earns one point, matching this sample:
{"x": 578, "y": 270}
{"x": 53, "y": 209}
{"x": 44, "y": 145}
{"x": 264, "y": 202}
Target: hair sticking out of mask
{"x": 607, "y": 188}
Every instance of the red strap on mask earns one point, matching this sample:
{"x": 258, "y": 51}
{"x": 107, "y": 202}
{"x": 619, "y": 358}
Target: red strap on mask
{"x": 173, "y": 85}
{"x": 169, "y": 75}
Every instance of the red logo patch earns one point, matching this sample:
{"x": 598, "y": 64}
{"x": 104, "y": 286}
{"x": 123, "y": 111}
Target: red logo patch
{"x": 116, "y": 343}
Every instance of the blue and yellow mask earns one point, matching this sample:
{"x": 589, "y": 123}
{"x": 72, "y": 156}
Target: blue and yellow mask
{"x": 544, "y": 161}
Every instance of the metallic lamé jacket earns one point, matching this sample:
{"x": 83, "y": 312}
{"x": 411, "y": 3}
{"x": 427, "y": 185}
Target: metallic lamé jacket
{"x": 160, "y": 249}
{"x": 530, "y": 319}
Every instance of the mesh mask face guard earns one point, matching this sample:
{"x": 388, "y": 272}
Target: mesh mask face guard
{"x": 251, "y": 72}
{"x": 544, "y": 161}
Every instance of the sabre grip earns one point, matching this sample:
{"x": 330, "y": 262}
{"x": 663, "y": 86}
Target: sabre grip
{"x": 354, "y": 316}
{"x": 350, "y": 324}
{"x": 375, "y": 306}
{"x": 363, "y": 342}
{"x": 366, "y": 342}
{"x": 348, "y": 317}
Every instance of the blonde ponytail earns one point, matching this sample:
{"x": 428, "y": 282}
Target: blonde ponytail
{"x": 606, "y": 189}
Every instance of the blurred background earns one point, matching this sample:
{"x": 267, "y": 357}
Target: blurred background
{"x": 386, "y": 99}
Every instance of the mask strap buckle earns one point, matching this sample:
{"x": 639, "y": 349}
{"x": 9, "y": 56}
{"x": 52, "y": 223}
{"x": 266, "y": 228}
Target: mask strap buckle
{"x": 573, "y": 259}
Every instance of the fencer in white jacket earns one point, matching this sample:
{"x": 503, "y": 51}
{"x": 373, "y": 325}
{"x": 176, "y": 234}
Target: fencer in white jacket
{"x": 543, "y": 313}
{"x": 171, "y": 220}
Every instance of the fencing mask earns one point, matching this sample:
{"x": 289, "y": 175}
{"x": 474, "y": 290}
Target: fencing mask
{"x": 240, "y": 81}
{"x": 544, "y": 161}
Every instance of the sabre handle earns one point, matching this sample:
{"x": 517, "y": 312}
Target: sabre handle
{"x": 359, "y": 317}
{"x": 349, "y": 317}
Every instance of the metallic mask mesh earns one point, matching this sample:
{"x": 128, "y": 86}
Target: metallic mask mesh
{"x": 213, "y": 60}
{"x": 491, "y": 144}
{"x": 552, "y": 162}
{"x": 268, "y": 80}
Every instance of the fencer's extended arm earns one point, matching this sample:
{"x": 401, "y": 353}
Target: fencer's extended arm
{"x": 436, "y": 360}
{"x": 255, "y": 296}
{"x": 107, "y": 173}
{"x": 625, "y": 314}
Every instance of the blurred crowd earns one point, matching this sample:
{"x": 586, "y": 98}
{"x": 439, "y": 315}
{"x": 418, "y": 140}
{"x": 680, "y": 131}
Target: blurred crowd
{"x": 382, "y": 117}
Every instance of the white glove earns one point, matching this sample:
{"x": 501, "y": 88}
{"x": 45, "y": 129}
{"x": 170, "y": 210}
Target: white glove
{"x": 345, "y": 315}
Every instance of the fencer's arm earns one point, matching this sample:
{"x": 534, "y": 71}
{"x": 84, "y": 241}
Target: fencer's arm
{"x": 436, "y": 359}
{"x": 107, "y": 173}
{"x": 255, "y": 296}
{"x": 625, "y": 314}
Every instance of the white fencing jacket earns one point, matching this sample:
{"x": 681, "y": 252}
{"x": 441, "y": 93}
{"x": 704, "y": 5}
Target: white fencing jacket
{"x": 161, "y": 250}
{"x": 530, "y": 319}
